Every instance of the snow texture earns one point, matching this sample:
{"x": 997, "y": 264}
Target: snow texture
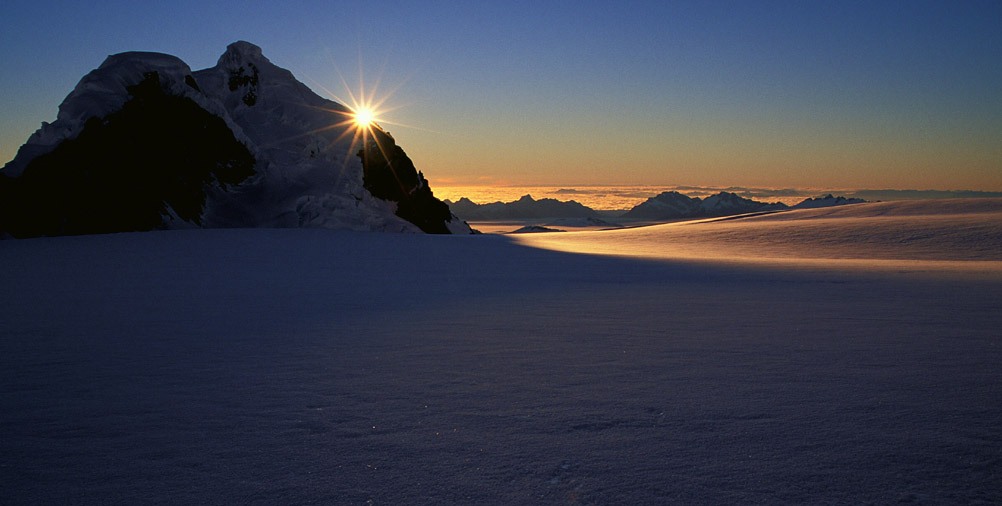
{"x": 313, "y": 366}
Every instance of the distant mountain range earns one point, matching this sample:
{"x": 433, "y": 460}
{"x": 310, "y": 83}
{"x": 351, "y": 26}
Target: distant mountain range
{"x": 665, "y": 206}
{"x": 522, "y": 209}
{"x": 673, "y": 205}
{"x": 144, "y": 143}
{"x": 827, "y": 201}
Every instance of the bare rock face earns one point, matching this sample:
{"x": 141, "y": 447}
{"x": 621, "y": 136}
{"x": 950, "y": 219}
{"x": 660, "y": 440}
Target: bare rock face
{"x": 388, "y": 174}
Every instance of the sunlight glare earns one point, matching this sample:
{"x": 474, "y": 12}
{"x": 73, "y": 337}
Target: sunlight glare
{"x": 360, "y": 117}
{"x": 364, "y": 117}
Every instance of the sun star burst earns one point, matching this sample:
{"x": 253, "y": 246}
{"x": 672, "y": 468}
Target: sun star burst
{"x": 360, "y": 117}
{"x": 364, "y": 117}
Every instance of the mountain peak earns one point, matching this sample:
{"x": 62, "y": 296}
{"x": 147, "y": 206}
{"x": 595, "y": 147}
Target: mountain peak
{"x": 240, "y": 144}
{"x": 241, "y": 51}
{"x": 672, "y": 205}
{"x": 828, "y": 200}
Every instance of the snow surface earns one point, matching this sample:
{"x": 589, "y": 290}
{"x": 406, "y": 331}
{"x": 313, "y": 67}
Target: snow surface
{"x": 311, "y": 366}
{"x": 958, "y": 234}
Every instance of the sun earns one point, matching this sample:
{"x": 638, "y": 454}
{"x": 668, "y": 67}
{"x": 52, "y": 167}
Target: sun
{"x": 361, "y": 117}
{"x": 364, "y": 117}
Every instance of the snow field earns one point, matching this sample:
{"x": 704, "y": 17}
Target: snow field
{"x": 311, "y": 366}
{"x": 954, "y": 235}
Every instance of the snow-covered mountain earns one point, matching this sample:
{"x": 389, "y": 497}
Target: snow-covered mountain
{"x": 666, "y": 205}
{"x": 144, "y": 143}
{"x": 673, "y": 205}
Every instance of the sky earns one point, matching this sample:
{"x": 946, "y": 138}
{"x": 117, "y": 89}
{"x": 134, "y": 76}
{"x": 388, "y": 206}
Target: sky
{"x": 841, "y": 94}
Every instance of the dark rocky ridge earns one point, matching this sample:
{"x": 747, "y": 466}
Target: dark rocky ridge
{"x": 389, "y": 174}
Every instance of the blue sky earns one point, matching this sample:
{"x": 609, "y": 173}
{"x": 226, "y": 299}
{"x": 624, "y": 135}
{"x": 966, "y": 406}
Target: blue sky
{"x": 839, "y": 94}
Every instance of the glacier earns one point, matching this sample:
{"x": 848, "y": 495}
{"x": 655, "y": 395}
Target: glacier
{"x": 315, "y": 366}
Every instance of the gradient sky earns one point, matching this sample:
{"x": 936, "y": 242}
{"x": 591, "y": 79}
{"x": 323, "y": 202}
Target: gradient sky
{"x": 902, "y": 94}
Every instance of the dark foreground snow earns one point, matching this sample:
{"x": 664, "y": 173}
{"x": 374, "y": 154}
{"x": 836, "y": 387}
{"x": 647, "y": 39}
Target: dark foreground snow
{"x": 311, "y": 366}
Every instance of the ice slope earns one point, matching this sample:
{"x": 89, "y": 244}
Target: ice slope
{"x": 963, "y": 234}
{"x": 309, "y": 366}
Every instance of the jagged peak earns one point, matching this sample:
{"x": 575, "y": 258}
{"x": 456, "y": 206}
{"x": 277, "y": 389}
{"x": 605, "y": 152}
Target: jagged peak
{"x": 672, "y": 195}
{"x": 729, "y": 195}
